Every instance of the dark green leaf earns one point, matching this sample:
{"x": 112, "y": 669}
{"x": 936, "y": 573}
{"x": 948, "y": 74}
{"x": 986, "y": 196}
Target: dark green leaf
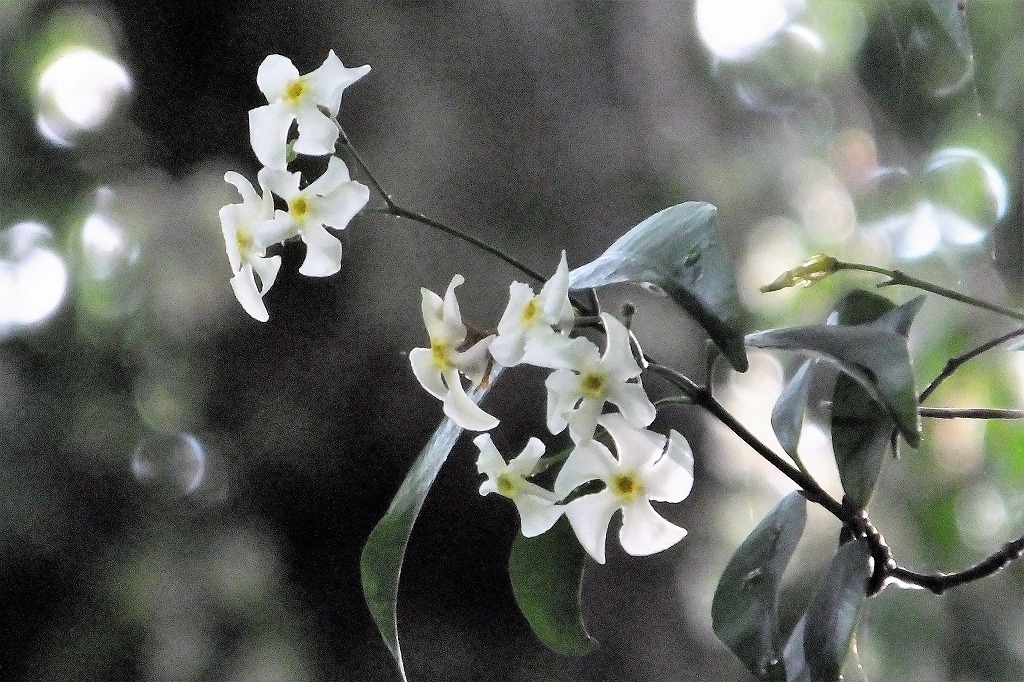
{"x": 949, "y": 15}
{"x": 788, "y": 413}
{"x": 859, "y": 307}
{"x": 832, "y": 615}
{"x": 793, "y": 655}
{"x": 680, "y": 252}
{"x": 860, "y": 432}
{"x": 864, "y": 307}
{"x": 384, "y": 553}
{"x": 860, "y": 439}
{"x": 547, "y": 579}
{"x": 872, "y": 355}
{"x": 744, "y": 612}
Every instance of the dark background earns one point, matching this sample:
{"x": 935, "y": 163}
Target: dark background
{"x": 539, "y": 127}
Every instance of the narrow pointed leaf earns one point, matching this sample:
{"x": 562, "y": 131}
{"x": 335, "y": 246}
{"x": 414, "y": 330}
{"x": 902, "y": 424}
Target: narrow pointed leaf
{"x": 744, "y": 612}
{"x": 384, "y": 552}
{"x": 873, "y": 356}
{"x": 547, "y": 581}
{"x": 679, "y": 251}
{"x": 793, "y": 655}
{"x": 861, "y": 432}
{"x": 788, "y": 413}
{"x": 832, "y": 615}
{"x": 861, "y": 436}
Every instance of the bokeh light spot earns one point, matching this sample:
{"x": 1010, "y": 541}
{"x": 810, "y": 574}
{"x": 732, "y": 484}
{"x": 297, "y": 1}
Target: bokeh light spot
{"x": 170, "y": 466}
{"x": 78, "y": 91}
{"x": 732, "y": 29}
{"x": 33, "y": 277}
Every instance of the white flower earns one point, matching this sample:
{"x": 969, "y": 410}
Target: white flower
{"x": 647, "y": 468}
{"x": 577, "y": 394}
{"x": 248, "y": 231}
{"x": 293, "y": 97}
{"x": 537, "y": 508}
{"x": 333, "y": 199}
{"x": 527, "y": 330}
{"x": 438, "y": 368}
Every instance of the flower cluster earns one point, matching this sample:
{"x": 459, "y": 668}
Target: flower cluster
{"x": 593, "y": 483}
{"x": 330, "y": 201}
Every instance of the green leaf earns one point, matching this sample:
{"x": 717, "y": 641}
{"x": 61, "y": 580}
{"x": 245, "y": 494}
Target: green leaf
{"x": 861, "y": 433}
{"x": 793, "y": 655}
{"x": 875, "y": 357}
{"x": 860, "y": 307}
{"x": 680, "y": 252}
{"x": 861, "y": 436}
{"x": 384, "y": 552}
{"x": 949, "y": 15}
{"x": 832, "y": 615}
{"x": 547, "y": 580}
{"x": 744, "y": 612}
{"x": 788, "y": 412}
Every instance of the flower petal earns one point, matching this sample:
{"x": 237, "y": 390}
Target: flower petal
{"x": 244, "y": 286}
{"x": 555, "y": 294}
{"x": 339, "y": 207}
{"x": 670, "y": 479}
{"x": 583, "y": 420}
{"x": 589, "y": 517}
{"x": 462, "y": 410}
{"x": 329, "y": 80}
{"x": 524, "y": 463}
{"x": 632, "y": 401}
{"x": 267, "y": 269}
{"x": 587, "y": 462}
{"x": 317, "y": 132}
{"x": 422, "y": 361}
{"x": 618, "y": 361}
{"x": 275, "y": 74}
{"x": 323, "y": 252}
{"x": 644, "y": 531}
{"x": 268, "y": 133}
{"x": 331, "y": 179}
{"x": 536, "y": 514}
{"x": 489, "y": 462}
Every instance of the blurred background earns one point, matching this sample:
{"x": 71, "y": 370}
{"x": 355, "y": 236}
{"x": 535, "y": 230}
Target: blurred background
{"x": 184, "y": 492}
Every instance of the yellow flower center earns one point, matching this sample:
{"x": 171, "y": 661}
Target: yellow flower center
{"x": 299, "y": 207}
{"x": 530, "y": 311}
{"x": 244, "y": 241}
{"x": 594, "y": 385}
{"x": 293, "y": 93}
{"x": 507, "y": 485}
{"x": 626, "y": 486}
{"x": 441, "y": 355}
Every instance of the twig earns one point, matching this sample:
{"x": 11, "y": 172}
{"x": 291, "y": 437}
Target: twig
{"x": 953, "y": 364}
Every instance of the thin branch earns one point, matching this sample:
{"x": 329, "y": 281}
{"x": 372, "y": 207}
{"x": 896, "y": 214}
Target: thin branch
{"x": 970, "y": 413}
{"x": 702, "y": 397}
{"x": 900, "y": 278}
{"x": 393, "y": 208}
{"x": 953, "y": 364}
{"x": 940, "y": 582}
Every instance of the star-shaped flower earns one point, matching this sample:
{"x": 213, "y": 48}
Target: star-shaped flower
{"x": 529, "y": 330}
{"x": 333, "y": 200}
{"x": 439, "y": 368}
{"x": 648, "y": 467}
{"x": 577, "y": 393}
{"x": 248, "y": 231}
{"x": 293, "y": 97}
{"x": 537, "y": 508}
